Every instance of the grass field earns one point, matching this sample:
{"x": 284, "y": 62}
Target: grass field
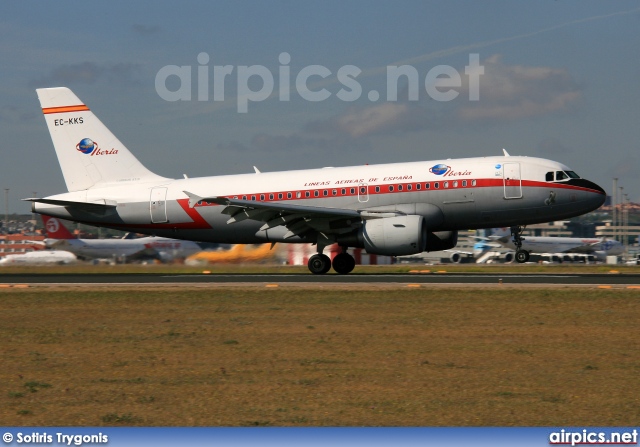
{"x": 319, "y": 356}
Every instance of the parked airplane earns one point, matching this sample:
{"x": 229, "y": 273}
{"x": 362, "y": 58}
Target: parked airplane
{"x": 599, "y": 247}
{"x": 59, "y": 237}
{"x": 40, "y": 257}
{"x": 388, "y": 209}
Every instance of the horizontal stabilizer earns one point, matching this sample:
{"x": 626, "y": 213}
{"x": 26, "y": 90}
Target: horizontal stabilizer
{"x": 102, "y": 206}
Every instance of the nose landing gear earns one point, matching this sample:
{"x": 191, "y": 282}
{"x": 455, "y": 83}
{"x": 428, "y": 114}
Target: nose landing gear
{"x": 522, "y": 256}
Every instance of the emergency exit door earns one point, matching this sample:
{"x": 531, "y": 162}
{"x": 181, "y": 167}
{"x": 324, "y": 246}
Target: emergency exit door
{"x": 158, "y": 205}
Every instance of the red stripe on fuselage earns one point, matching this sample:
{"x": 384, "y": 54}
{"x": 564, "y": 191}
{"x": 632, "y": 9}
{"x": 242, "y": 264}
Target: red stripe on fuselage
{"x": 199, "y": 223}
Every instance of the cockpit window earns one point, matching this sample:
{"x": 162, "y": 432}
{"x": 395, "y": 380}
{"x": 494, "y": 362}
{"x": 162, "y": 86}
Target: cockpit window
{"x": 549, "y": 177}
{"x": 560, "y": 175}
{"x": 572, "y": 174}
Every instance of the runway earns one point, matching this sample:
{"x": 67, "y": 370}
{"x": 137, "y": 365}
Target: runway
{"x": 309, "y": 279}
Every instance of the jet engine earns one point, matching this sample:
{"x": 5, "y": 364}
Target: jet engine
{"x": 399, "y": 236}
{"x": 394, "y": 236}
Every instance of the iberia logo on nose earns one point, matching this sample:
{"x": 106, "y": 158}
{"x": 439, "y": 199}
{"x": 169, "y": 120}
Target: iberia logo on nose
{"x": 89, "y": 147}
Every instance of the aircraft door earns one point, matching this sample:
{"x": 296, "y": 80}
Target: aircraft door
{"x": 363, "y": 192}
{"x": 512, "y": 180}
{"x": 158, "y": 205}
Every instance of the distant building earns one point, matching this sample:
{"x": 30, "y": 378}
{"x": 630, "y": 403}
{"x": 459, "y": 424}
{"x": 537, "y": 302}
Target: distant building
{"x": 12, "y": 244}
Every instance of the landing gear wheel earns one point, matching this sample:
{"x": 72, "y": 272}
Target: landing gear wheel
{"x": 522, "y": 256}
{"x": 343, "y": 263}
{"x": 319, "y": 264}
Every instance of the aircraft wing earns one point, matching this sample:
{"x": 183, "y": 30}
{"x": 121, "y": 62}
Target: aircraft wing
{"x": 147, "y": 252}
{"x": 297, "y": 219}
{"x": 589, "y": 247}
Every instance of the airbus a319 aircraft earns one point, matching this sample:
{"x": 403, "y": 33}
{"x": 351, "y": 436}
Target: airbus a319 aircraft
{"x": 163, "y": 249}
{"x": 599, "y": 247}
{"x": 388, "y": 209}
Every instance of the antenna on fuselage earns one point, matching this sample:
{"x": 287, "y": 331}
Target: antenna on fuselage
{"x": 506, "y": 154}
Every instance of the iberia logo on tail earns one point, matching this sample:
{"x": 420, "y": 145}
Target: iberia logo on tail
{"x": 89, "y": 147}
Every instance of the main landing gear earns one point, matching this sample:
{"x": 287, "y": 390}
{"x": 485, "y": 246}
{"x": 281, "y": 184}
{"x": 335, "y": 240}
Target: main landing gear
{"x": 522, "y": 256}
{"x": 320, "y": 264}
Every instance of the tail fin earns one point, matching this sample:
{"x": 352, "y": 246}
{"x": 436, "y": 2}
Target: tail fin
{"x": 89, "y": 154}
{"x": 55, "y": 229}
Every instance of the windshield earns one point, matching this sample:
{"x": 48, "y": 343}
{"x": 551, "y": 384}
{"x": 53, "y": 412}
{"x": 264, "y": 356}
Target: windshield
{"x": 572, "y": 174}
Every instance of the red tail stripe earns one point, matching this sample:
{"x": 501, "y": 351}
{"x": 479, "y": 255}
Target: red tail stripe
{"x": 78, "y": 108}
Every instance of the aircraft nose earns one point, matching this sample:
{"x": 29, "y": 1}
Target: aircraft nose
{"x": 596, "y": 187}
{"x": 599, "y": 195}
{"x": 588, "y": 184}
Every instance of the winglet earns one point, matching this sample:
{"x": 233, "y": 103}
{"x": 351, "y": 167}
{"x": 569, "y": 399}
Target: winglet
{"x": 506, "y": 154}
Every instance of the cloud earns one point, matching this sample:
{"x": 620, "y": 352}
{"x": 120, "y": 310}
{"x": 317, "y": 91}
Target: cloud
{"x": 145, "y": 30}
{"x": 507, "y": 93}
{"x": 512, "y": 92}
{"x": 89, "y": 73}
{"x": 387, "y": 117}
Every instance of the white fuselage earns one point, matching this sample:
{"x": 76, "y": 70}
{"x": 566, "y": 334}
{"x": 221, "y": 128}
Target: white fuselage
{"x": 149, "y": 247}
{"x": 534, "y": 244}
{"x": 450, "y": 194}
{"x": 39, "y": 257}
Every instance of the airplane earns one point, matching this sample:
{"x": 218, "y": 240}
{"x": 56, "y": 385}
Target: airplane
{"x": 39, "y": 257}
{"x": 599, "y": 247}
{"x": 59, "y": 237}
{"x": 388, "y": 209}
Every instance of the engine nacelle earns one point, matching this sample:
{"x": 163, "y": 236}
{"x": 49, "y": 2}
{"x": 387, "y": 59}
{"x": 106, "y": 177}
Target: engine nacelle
{"x": 394, "y": 236}
{"x": 441, "y": 240}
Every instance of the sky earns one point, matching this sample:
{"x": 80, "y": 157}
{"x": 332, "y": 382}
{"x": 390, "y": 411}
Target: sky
{"x": 556, "y": 79}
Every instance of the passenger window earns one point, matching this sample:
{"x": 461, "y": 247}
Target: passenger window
{"x": 399, "y": 187}
{"x": 418, "y": 186}
{"x": 427, "y": 185}
{"x": 549, "y": 177}
{"x": 270, "y": 196}
{"x": 464, "y": 183}
{"x": 253, "y": 198}
{"x": 279, "y": 196}
{"x": 390, "y": 188}
{"x": 436, "y": 185}
{"x": 377, "y": 189}
{"x": 408, "y": 187}
{"x": 298, "y": 195}
{"x": 455, "y": 184}
{"x": 262, "y": 197}
{"x": 288, "y": 195}
{"x": 445, "y": 185}
{"x": 353, "y": 190}
{"x": 473, "y": 183}
{"x": 307, "y": 194}
{"x": 335, "y": 192}
{"x": 316, "y": 193}
{"x": 325, "y": 192}
{"x": 344, "y": 191}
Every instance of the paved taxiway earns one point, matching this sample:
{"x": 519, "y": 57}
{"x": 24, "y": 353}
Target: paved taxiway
{"x": 432, "y": 278}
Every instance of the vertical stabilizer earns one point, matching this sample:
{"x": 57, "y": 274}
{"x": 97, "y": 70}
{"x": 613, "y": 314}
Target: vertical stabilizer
{"x": 89, "y": 154}
{"x": 55, "y": 229}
